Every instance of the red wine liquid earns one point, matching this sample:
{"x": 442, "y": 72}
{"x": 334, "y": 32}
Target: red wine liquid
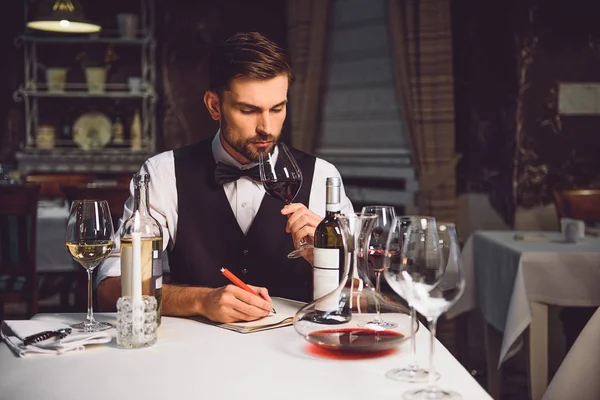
{"x": 283, "y": 189}
{"x": 355, "y": 339}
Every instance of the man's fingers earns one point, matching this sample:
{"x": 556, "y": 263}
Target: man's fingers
{"x": 258, "y": 303}
{"x": 301, "y": 218}
{"x": 263, "y": 292}
{"x": 306, "y": 232}
{"x": 292, "y": 208}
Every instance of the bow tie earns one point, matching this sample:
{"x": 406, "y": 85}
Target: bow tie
{"x": 226, "y": 173}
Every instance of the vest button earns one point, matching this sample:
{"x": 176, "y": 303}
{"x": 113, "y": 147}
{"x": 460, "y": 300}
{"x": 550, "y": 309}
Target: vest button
{"x": 244, "y": 271}
{"x": 246, "y": 252}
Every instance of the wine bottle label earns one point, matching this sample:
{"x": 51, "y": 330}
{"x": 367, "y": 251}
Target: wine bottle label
{"x": 151, "y": 266}
{"x": 157, "y": 269}
{"x": 326, "y": 275}
{"x": 126, "y": 267}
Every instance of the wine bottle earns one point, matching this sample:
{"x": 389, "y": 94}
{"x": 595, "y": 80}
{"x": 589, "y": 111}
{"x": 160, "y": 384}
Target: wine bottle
{"x": 328, "y": 256}
{"x": 135, "y": 132}
{"x": 151, "y": 244}
{"x": 66, "y": 129}
{"x": 118, "y": 125}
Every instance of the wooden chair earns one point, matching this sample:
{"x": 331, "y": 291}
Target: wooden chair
{"x": 581, "y": 204}
{"x": 18, "y": 229}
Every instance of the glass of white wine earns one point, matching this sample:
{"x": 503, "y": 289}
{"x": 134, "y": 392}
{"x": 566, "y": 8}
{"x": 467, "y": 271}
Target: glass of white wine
{"x": 89, "y": 239}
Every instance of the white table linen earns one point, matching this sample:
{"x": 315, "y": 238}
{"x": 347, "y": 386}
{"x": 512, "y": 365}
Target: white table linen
{"x": 577, "y": 376}
{"x": 14, "y": 333}
{"x": 520, "y": 272}
{"x": 194, "y": 360}
{"x": 51, "y": 254}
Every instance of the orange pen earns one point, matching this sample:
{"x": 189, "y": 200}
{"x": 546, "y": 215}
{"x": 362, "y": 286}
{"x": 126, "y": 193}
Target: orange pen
{"x": 238, "y": 282}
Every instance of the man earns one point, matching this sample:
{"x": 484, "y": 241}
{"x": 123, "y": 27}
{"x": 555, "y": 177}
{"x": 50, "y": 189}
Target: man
{"x": 209, "y": 223}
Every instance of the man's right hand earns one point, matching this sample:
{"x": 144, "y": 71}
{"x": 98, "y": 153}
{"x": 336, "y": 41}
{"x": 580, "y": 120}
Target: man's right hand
{"x": 232, "y": 304}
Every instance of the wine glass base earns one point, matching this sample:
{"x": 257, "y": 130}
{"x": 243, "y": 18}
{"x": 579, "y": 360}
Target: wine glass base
{"x": 378, "y": 324}
{"x": 296, "y": 253}
{"x": 431, "y": 393}
{"x": 91, "y": 326}
{"x": 411, "y": 375}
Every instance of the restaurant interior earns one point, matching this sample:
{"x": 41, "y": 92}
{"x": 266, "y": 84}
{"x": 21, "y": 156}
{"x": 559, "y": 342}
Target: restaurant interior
{"x": 480, "y": 114}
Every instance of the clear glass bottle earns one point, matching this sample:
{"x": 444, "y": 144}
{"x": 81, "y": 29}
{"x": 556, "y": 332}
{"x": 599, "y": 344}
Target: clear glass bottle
{"x": 152, "y": 245}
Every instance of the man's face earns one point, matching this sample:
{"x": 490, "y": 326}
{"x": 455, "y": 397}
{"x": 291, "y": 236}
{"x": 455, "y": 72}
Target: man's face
{"x": 252, "y": 113}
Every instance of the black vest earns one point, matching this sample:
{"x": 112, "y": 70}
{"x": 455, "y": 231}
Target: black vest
{"x": 209, "y": 237}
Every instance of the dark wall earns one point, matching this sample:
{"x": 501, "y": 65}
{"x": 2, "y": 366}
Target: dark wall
{"x": 184, "y": 32}
{"x": 509, "y": 58}
{"x": 485, "y": 92}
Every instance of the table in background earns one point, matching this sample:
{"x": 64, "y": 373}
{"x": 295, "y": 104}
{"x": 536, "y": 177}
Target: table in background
{"x": 194, "y": 360}
{"x": 512, "y": 281}
{"x": 51, "y": 254}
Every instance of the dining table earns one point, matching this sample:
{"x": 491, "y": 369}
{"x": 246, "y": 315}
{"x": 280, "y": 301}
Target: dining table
{"x": 512, "y": 277}
{"x": 51, "y": 254}
{"x": 193, "y": 360}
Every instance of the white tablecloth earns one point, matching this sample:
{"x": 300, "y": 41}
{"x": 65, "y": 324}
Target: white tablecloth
{"x": 192, "y": 360}
{"x": 504, "y": 276}
{"x": 577, "y": 377}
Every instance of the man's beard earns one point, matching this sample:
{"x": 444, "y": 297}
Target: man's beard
{"x": 242, "y": 146}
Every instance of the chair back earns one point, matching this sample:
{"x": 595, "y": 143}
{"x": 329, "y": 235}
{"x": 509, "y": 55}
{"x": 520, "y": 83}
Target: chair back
{"x": 18, "y": 230}
{"x": 115, "y": 195}
{"x": 581, "y": 204}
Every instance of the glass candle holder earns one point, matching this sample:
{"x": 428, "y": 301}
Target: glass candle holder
{"x": 136, "y": 323}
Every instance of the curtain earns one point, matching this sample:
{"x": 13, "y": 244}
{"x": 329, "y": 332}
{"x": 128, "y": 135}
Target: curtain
{"x": 307, "y": 37}
{"x": 421, "y": 49}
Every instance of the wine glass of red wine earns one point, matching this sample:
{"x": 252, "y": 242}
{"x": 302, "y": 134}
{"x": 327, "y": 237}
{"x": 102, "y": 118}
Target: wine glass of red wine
{"x": 282, "y": 178}
{"x": 377, "y": 242}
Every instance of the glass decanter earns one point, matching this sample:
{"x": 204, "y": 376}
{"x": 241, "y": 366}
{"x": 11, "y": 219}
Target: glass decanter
{"x": 340, "y": 320}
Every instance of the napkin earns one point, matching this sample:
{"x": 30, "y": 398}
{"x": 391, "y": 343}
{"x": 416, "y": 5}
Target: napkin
{"x": 13, "y": 332}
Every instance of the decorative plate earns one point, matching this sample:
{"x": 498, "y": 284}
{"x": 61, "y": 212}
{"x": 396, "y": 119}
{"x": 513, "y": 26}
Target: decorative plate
{"x": 92, "y": 131}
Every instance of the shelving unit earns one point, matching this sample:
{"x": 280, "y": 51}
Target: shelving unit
{"x": 33, "y": 94}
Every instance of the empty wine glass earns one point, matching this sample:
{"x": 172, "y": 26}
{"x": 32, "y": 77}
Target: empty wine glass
{"x": 376, "y": 250}
{"x": 89, "y": 240}
{"x": 396, "y": 239}
{"x": 429, "y": 275}
{"x": 282, "y": 178}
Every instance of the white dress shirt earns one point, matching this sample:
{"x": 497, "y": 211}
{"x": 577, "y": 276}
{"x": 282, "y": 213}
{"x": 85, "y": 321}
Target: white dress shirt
{"x": 244, "y": 195}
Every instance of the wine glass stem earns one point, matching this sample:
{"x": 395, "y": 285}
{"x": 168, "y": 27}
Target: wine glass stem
{"x": 431, "y": 373}
{"x": 413, "y": 341}
{"x": 378, "y": 281}
{"x": 90, "y": 312}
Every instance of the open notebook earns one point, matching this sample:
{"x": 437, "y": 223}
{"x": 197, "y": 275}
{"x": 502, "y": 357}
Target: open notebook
{"x": 286, "y": 309}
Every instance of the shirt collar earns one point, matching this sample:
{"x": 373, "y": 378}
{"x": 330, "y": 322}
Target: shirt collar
{"x": 221, "y": 155}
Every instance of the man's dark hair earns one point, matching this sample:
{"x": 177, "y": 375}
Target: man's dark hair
{"x": 248, "y": 54}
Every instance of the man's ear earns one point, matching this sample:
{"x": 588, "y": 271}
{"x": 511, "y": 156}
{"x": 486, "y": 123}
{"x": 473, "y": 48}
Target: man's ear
{"x": 212, "y": 102}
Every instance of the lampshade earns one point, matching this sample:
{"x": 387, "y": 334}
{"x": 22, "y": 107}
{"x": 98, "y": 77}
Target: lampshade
{"x": 62, "y": 16}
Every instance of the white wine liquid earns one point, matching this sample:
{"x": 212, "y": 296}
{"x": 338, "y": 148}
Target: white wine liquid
{"x": 151, "y": 269}
{"x": 89, "y": 255}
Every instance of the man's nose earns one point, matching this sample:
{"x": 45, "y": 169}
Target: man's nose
{"x": 264, "y": 123}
